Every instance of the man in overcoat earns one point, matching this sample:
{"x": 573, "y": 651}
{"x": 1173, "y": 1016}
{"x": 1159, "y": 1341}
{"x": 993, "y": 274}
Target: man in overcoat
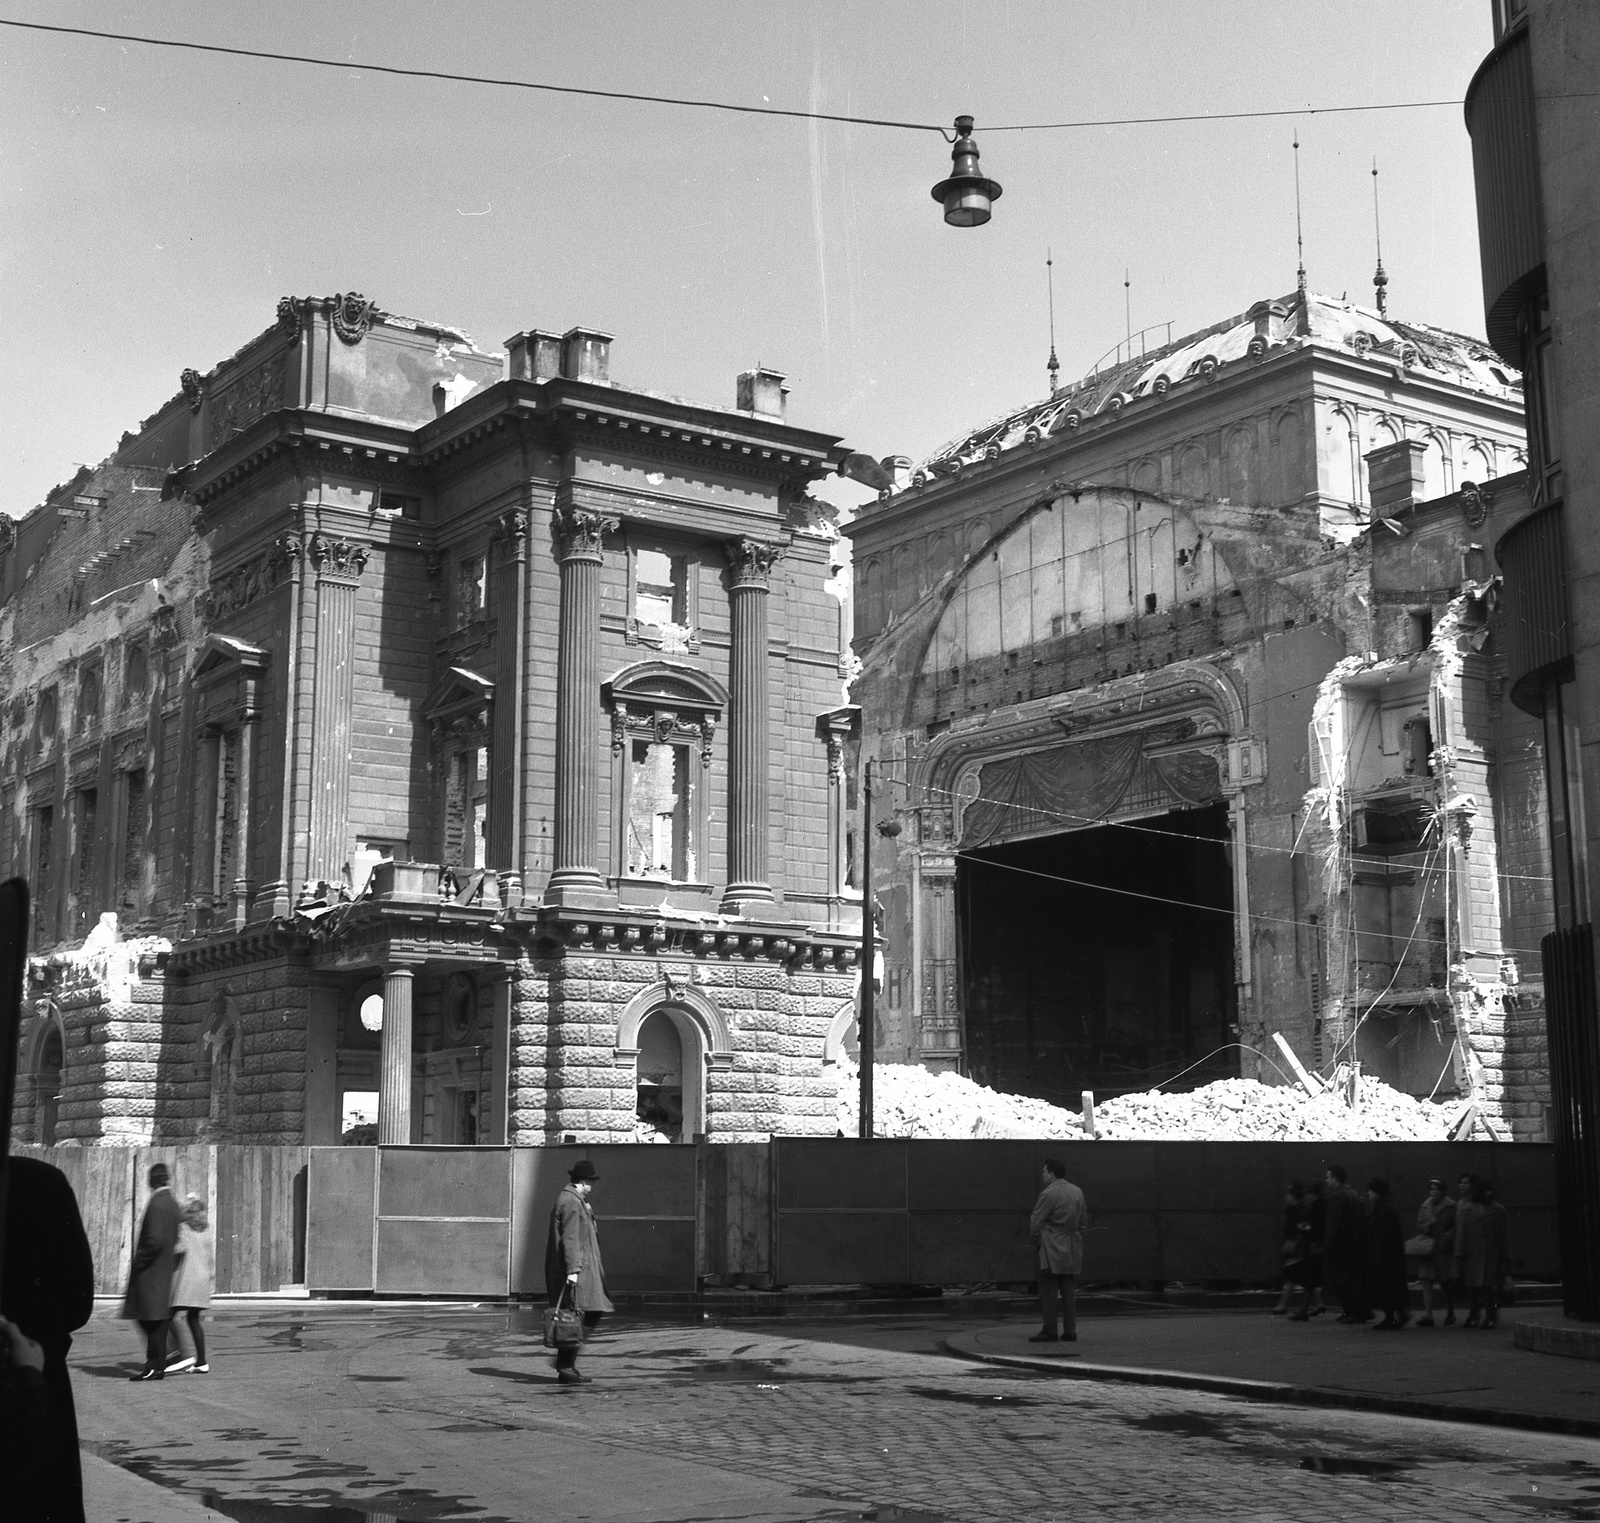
{"x": 572, "y": 1266}
{"x": 1056, "y": 1226}
{"x": 155, "y": 1261}
{"x": 47, "y": 1291}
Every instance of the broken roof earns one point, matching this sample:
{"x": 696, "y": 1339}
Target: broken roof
{"x": 1433, "y": 353}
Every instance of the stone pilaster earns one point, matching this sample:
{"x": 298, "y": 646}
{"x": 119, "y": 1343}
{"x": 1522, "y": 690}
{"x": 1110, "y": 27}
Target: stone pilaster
{"x": 338, "y": 566}
{"x": 576, "y": 878}
{"x": 750, "y": 573}
{"x": 394, "y": 1078}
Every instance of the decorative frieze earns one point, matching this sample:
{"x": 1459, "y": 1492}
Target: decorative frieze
{"x": 663, "y": 726}
{"x": 239, "y": 404}
{"x": 255, "y": 579}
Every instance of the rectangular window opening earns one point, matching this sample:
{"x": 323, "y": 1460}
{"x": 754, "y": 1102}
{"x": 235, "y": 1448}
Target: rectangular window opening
{"x": 658, "y": 812}
{"x": 660, "y": 587}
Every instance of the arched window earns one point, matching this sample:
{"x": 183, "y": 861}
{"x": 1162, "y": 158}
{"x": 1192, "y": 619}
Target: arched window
{"x": 47, "y": 1084}
{"x": 661, "y": 1076}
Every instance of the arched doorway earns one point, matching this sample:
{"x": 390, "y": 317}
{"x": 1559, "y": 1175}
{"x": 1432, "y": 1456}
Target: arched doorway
{"x": 47, "y": 1084}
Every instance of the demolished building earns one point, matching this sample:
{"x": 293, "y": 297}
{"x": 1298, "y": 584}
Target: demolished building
{"x": 1186, "y": 688}
{"x": 396, "y": 731}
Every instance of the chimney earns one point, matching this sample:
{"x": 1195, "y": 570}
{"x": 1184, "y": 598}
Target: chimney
{"x": 586, "y": 355}
{"x": 533, "y": 356}
{"x": 763, "y": 391}
{"x": 1394, "y": 476}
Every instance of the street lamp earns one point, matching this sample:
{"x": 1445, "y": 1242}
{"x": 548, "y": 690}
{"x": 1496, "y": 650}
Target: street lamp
{"x": 967, "y": 195}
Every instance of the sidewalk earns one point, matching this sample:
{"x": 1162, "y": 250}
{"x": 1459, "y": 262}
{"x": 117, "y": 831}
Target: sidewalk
{"x": 1445, "y": 1373}
{"x": 112, "y": 1493}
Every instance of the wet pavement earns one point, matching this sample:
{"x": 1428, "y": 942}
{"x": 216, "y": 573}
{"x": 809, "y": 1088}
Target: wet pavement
{"x": 343, "y": 1413}
{"x": 1465, "y": 1373}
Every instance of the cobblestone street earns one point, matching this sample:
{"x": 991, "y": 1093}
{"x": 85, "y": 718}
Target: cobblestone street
{"x": 336, "y": 1413}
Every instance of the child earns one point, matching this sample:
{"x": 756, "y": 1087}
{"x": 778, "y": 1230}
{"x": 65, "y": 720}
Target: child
{"x": 192, "y": 1286}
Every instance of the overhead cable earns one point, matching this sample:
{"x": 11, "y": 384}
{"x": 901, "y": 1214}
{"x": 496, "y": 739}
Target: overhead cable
{"x": 697, "y": 103}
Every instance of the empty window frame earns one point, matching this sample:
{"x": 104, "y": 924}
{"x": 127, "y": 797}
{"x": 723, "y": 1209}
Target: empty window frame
{"x": 659, "y": 810}
{"x": 466, "y": 808}
{"x": 472, "y": 589}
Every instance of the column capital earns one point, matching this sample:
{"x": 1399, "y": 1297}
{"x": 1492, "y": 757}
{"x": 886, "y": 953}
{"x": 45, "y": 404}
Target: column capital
{"x": 340, "y": 558}
{"x": 579, "y": 533}
{"x": 751, "y": 562}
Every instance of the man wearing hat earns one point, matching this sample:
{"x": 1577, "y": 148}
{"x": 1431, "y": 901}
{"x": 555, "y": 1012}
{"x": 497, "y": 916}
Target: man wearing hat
{"x": 572, "y": 1264}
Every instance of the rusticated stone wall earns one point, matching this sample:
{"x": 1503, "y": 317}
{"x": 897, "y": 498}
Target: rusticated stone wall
{"x": 567, "y": 1080}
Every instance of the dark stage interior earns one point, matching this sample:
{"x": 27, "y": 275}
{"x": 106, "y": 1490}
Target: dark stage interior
{"x": 1075, "y": 986}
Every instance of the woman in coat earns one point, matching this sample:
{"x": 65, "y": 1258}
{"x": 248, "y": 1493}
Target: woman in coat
{"x": 1481, "y": 1250}
{"x": 1436, "y": 1221}
{"x": 572, "y": 1266}
{"x": 1387, "y": 1283}
{"x": 193, "y": 1285}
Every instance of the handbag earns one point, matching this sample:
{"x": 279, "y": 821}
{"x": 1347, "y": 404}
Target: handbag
{"x": 563, "y": 1326}
{"x": 1419, "y": 1247}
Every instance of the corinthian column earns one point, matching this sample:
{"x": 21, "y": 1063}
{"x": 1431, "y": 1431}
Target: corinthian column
{"x": 751, "y": 564}
{"x": 576, "y": 878}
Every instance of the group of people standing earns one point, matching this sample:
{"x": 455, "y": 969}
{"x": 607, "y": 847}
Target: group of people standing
{"x": 1357, "y": 1251}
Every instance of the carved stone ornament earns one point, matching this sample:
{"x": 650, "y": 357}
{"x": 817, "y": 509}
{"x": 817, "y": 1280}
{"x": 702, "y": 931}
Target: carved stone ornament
{"x": 581, "y": 533}
{"x": 255, "y": 394}
{"x": 835, "y": 758}
{"x": 255, "y": 579}
{"x": 512, "y": 525}
{"x": 290, "y": 309}
{"x": 192, "y": 389}
{"x": 1475, "y": 502}
{"x": 662, "y": 727}
{"x": 353, "y": 316}
{"x": 338, "y": 557}
{"x": 751, "y": 561}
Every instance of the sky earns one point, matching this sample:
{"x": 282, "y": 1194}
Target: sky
{"x": 155, "y": 204}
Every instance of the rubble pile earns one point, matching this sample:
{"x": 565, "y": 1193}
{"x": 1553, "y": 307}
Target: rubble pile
{"x": 1245, "y": 1110}
{"x": 908, "y": 1101}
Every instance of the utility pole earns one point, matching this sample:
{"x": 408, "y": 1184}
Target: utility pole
{"x": 868, "y": 950}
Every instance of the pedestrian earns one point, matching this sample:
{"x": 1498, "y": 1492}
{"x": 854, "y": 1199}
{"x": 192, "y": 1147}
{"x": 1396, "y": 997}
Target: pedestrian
{"x": 1056, "y": 1227}
{"x": 1344, "y": 1248}
{"x": 1308, "y": 1273}
{"x": 47, "y": 1291}
{"x": 155, "y": 1261}
{"x": 1293, "y": 1243}
{"x": 1481, "y": 1247}
{"x": 193, "y": 1286}
{"x": 1436, "y": 1226}
{"x": 572, "y": 1265}
{"x": 1388, "y": 1287}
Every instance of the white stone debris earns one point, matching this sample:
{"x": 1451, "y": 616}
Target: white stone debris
{"x": 909, "y": 1101}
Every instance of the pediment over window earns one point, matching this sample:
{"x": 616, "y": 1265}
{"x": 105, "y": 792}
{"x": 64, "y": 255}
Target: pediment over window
{"x": 666, "y": 685}
{"x": 459, "y": 691}
{"x": 222, "y": 657}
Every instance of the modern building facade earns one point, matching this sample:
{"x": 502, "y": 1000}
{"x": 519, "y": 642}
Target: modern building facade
{"x": 454, "y": 737}
{"x": 1186, "y": 688}
{"x": 1535, "y": 131}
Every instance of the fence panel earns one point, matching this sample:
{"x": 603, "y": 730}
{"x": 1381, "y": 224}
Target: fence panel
{"x": 444, "y": 1221}
{"x": 646, "y": 1202}
{"x": 341, "y": 1214}
{"x": 927, "y": 1212}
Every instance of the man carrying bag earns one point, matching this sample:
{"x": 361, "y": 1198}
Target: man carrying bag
{"x": 574, "y": 1277}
